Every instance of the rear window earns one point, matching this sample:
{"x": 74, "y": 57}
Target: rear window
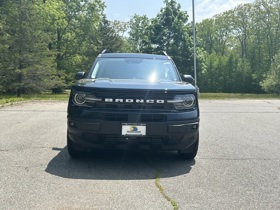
{"x": 134, "y": 68}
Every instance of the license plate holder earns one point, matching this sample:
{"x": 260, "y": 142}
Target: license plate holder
{"x": 133, "y": 129}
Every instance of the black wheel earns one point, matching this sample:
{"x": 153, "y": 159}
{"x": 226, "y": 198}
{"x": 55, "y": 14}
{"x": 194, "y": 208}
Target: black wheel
{"x": 74, "y": 150}
{"x": 190, "y": 152}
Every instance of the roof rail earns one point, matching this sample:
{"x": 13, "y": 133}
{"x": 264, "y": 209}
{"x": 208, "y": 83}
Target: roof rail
{"x": 165, "y": 53}
{"x": 104, "y": 51}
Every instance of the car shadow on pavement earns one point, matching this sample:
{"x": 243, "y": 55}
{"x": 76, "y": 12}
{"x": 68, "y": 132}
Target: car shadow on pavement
{"x": 119, "y": 165}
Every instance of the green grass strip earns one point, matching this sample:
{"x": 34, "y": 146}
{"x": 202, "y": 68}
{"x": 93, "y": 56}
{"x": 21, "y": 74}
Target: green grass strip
{"x": 224, "y": 96}
{"x": 161, "y": 189}
{"x": 11, "y": 99}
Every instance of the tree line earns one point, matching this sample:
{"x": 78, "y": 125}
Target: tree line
{"x": 241, "y": 49}
{"x": 43, "y": 43}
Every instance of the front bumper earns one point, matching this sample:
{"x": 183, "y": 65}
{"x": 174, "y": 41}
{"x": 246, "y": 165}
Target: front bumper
{"x": 170, "y": 135}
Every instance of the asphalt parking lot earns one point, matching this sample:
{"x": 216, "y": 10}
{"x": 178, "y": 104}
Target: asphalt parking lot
{"x": 237, "y": 167}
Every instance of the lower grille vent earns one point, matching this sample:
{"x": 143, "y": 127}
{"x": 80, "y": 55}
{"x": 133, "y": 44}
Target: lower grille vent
{"x": 115, "y": 117}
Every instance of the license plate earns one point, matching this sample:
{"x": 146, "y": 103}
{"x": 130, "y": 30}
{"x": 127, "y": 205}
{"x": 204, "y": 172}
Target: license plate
{"x": 133, "y": 129}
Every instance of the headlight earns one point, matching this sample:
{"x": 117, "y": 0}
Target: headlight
{"x": 181, "y": 102}
{"x": 84, "y": 98}
{"x": 79, "y": 98}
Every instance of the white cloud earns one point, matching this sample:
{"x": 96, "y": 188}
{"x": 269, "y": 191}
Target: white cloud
{"x": 208, "y": 8}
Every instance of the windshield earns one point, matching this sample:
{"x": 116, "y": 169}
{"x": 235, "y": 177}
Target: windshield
{"x": 134, "y": 68}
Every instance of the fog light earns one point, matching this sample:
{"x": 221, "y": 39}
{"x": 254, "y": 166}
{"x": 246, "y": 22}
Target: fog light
{"x": 195, "y": 126}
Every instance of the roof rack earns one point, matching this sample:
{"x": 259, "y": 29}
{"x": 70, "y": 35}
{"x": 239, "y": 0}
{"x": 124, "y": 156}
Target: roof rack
{"x": 165, "y": 53}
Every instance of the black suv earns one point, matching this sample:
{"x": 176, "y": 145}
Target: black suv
{"x": 133, "y": 101}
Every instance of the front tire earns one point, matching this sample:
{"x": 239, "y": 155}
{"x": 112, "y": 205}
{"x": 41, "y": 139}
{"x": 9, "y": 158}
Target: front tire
{"x": 190, "y": 153}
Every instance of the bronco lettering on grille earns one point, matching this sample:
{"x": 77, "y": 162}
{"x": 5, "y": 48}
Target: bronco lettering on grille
{"x": 120, "y": 100}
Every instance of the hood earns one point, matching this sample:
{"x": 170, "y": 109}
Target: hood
{"x": 134, "y": 84}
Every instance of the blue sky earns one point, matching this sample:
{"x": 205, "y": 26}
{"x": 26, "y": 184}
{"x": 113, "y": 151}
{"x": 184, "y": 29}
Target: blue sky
{"x": 124, "y": 9}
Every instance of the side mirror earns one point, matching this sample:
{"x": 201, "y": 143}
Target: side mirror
{"x": 187, "y": 78}
{"x": 80, "y": 75}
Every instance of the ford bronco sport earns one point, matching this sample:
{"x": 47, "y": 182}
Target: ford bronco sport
{"x": 133, "y": 101}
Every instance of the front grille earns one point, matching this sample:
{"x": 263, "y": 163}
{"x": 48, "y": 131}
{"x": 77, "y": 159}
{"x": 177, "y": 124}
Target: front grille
{"x": 154, "y": 140}
{"x": 125, "y": 117}
{"x": 102, "y": 105}
{"x": 115, "y": 117}
{"x": 140, "y": 118}
{"x": 133, "y": 95}
{"x": 132, "y": 111}
{"x": 153, "y": 118}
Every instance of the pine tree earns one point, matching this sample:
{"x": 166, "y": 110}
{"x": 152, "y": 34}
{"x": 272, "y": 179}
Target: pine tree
{"x": 27, "y": 66}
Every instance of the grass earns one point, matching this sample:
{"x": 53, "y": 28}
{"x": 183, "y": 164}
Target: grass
{"x": 11, "y": 99}
{"x": 223, "y": 96}
{"x": 161, "y": 189}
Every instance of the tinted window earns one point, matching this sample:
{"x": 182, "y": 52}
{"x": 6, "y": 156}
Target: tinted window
{"x": 131, "y": 68}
